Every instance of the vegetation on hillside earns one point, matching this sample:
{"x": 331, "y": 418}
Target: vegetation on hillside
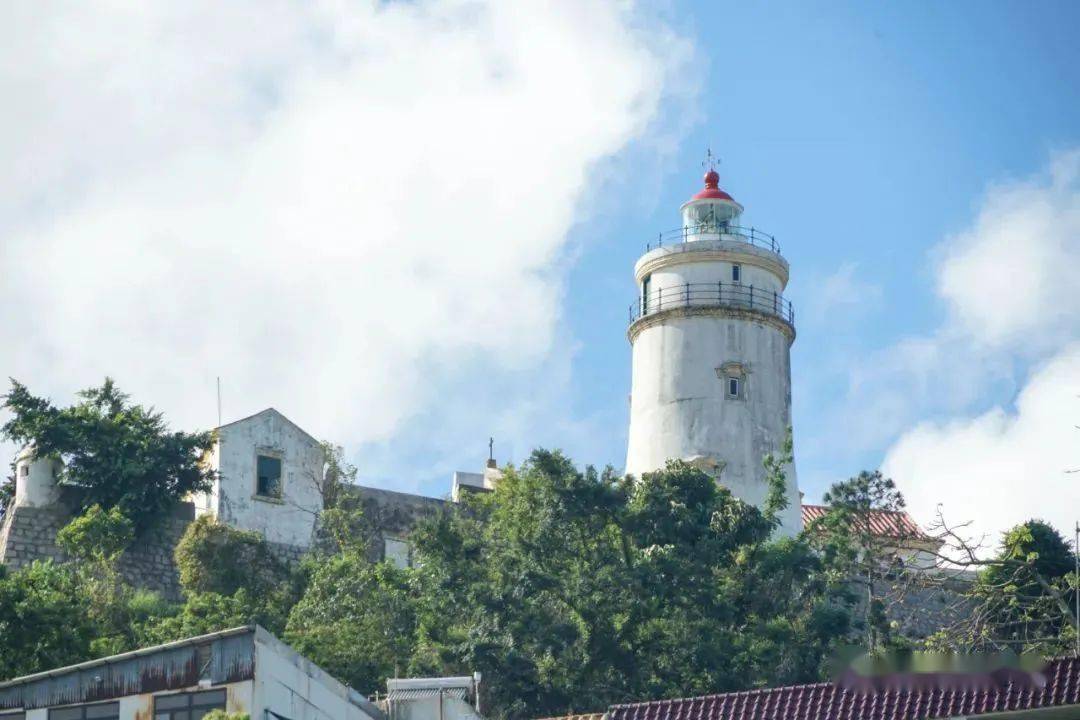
{"x": 568, "y": 589}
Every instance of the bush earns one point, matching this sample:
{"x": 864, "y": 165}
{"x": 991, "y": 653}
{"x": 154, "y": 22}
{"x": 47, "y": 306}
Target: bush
{"x": 215, "y": 558}
{"x": 97, "y": 534}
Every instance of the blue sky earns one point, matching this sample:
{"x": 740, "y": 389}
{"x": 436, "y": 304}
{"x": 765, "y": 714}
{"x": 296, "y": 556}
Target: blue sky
{"x": 408, "y": 252}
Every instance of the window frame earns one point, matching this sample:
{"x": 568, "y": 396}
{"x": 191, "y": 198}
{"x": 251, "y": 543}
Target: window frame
{"x": 83, "y": 708}
{"x": 273, "y": 454}
{"x": 736, "y": 273}
{"x": 190, "y": 706}
{"x": 737, "y": 381}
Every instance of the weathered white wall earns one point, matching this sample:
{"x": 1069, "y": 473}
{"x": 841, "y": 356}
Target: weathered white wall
{"x": 290, "y": 520}
{"x": 294, "y": 687}
{"x": 35, "y": 480}
{"x": 679, "y": 406}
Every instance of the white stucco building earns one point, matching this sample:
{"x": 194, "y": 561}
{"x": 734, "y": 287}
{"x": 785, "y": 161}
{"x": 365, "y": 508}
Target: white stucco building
{"x": 711, "y": 335}
{"x": 269, "y": 478}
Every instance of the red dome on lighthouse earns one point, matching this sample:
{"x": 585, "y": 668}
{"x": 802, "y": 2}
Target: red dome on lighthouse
{"x": 712, "y": 189}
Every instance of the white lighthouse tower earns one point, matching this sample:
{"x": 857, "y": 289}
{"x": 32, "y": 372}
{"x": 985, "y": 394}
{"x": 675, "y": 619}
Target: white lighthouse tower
{"x": 711, "y": 336}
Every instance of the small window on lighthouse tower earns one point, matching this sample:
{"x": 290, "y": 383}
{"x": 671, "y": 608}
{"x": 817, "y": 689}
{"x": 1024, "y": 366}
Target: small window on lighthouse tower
{"x": 736, "y": 273}
{"x": 734, "y": 388}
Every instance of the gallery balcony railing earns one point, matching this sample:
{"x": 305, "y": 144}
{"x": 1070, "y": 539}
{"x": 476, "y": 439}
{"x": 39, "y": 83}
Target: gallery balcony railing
{"x": 749, "y": 235}
{"x": 718, "y": 294}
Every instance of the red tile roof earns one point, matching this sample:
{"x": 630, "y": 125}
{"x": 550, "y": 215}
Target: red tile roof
{"x": 882, "y": 522}
{"x": 825, "y": 701}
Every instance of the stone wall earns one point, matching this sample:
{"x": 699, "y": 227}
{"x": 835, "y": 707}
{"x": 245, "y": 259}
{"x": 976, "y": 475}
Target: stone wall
{"x": 29, "y": 533}
{"x": 389, "y": 514}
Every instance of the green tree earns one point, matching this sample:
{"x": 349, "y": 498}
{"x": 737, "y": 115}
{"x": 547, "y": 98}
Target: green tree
{"x": 229, "y": 577}
{"x": 44, "y": 619}
{"x": 1024, "y": 596}
{"x": 571, "y": 590}
{"x": 357, "y": 620}
{"x": 115, "y": 453}
{"x": 214, "y": 557}
{"x": 856, "y": 552}
{"x": 97, "y": 535}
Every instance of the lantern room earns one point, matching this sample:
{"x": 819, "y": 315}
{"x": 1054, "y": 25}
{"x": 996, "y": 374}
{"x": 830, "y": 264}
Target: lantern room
{"x": 711, "y": 211}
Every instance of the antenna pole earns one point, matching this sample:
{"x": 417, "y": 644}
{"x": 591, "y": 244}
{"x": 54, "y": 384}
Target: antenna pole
{"x": 219, "y": 401}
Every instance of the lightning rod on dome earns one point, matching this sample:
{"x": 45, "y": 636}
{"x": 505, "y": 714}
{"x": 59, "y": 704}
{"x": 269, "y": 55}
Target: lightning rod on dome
{"x": 711, "y": 161}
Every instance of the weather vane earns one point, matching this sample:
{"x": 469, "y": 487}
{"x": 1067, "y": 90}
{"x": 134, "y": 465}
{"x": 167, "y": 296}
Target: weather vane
{"x": 710, "y": 162}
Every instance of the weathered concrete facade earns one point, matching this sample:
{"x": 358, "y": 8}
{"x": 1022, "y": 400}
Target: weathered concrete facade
{"x": 711, "y": 338}
{"x": 283, "y": 510}
{"x": 244, "y": 670}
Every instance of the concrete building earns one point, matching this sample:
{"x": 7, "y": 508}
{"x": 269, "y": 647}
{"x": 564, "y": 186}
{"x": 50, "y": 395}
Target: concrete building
{"x": 270, "y": 479}
{"x": 244, "y": 670}
{"x": 711, "y": 335}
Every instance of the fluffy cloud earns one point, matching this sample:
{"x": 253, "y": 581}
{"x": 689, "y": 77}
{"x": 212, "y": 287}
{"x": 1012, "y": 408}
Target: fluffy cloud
{"x": 1014, "y": 302}
{"x": 1011, "y": 279}
{"x": 341, "y": 209}
{"x": 1004, "y": 466}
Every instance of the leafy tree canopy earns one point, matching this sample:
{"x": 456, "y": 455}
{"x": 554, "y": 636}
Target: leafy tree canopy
{"x": 44, "y": 619}
{"x": 116, "y": 453}
{"x": 571, "y": 590}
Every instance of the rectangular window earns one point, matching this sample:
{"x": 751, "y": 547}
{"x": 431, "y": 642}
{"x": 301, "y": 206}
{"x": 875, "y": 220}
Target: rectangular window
{"x": 188, "y": 706}
{"x": 736, "y": 273}
{"x": 100, "y": 711}
{"x": 396, "y": 552}
{"x": 733, "y": 387}
{"x": 646, "y": 288}
{"x": 268, "y": 469}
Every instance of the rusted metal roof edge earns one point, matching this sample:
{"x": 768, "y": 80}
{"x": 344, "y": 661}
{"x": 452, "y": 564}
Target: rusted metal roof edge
{"x": 112, "y": 659}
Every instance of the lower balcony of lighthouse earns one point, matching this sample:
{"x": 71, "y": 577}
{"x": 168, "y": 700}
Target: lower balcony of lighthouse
{"x": 719, "y": 298}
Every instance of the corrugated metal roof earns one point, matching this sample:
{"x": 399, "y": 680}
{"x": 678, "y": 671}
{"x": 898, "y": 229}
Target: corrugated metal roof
{"x": 163, "y": 667}
{"x": 884, "y": 523}
{"x": 826, "y": 701}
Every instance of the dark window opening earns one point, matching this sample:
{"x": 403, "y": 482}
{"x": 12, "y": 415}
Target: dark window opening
{"x": 736, "y": 273}
{"x": 268, "y": 470}
{"x": 733, "y": 387}
{"x": 646, "y": 288}
{"x": 101, "y": 711}
{"x": 188, "y": 706}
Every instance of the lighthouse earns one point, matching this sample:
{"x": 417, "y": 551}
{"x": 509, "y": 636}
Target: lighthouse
{"x": 711, "y": 336}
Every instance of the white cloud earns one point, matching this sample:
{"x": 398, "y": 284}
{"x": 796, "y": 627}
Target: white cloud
{"x": 342, "y": 209}
{"x": 840, "y": 295}
{"x": 1010, "y": 288}
{"x": 1004, "y": 466}
{"x": 1011, "y": 279}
